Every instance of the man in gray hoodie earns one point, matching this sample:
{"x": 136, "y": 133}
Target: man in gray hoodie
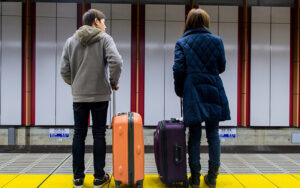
{"x": 86, "y": 57}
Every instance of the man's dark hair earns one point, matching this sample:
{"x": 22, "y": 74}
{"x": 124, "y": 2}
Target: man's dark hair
{"x": 89, "y": 17}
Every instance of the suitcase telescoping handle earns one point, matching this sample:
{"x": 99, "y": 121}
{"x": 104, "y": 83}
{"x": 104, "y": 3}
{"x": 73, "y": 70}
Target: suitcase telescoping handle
{"x": 181, "y": 107}
{"x": 114, "y": 107}
{"x": 179, "y": 119}
{"x": 114, "y": 102}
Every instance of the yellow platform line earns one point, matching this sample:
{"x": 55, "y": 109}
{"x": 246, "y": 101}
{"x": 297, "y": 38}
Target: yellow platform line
{"x": 254, "y": 180}
{"x": 284, "y": 180}
{"x": 224, "y": 181}
{"x": 25, "y": 181}
{"x": 6, "y": 178}
{"x": 297, "y": 176}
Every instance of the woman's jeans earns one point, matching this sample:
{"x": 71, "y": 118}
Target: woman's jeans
{"x": 212, "y": 134}
{"x": 81, "y": 116}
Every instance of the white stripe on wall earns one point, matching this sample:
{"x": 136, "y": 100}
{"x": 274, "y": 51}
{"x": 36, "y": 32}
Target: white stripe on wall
{"x": 11, "y": 64}
{"x": 45, "y": 63}
{"x": 280, "y": 66}
{"x": 121, "y": 33}
{"x": 154, "y": 63}
{"x": 228, "y": 31}
{"x": 260, "y": 67}
{"x": 66, "y": 26}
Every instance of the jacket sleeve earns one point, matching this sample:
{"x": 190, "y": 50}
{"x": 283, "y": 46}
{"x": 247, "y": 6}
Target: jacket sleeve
{"x": 65, "y": 69}
{"x": 179, "y": 70}
{"x": 114, "y": 61}
{"x": 222, "y": 60}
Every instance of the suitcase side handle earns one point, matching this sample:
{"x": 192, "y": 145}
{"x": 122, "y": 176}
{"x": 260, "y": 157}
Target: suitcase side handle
{"x": 178, "y": 154}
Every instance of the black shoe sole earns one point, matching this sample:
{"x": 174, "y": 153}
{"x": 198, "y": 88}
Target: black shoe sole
{"x": 207, "y": 183}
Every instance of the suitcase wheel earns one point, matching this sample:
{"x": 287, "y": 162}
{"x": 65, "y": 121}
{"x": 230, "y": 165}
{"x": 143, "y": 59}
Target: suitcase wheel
{"x": 186, "y": 183}
{"x": 118, "y": 184}
{"x": 139, "y": 184}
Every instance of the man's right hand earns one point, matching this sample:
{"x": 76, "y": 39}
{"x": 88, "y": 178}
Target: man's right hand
{"x": 116, "y": 88}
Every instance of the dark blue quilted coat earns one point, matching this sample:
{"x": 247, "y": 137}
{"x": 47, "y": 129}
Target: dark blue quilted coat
{"x": 199, "y": 59}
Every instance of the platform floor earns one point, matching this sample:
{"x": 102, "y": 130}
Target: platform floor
{"x": 237, "y": 170}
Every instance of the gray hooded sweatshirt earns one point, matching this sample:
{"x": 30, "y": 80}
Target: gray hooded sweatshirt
{"x": 85, "y": 60}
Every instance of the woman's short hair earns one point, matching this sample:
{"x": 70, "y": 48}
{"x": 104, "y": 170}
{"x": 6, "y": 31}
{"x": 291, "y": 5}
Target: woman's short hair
{"x": 196, "y": 18}
{"x": 89, "y": 17}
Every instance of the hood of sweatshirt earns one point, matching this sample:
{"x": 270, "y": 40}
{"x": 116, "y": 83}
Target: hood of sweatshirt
{"x": 87, "y": 35}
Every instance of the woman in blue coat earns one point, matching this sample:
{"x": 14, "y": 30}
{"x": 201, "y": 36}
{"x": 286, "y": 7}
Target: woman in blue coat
{"x": 199, "y": 59}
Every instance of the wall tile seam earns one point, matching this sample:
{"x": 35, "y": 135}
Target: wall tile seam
{"x": 56, "y": 17}
{"x": 270, "y": 23}
{"x": 20, "y": 15}
{"x": 120, "y": 19}
{"x": 233, "y": 22}
{"x": 164, "y": 20}
{"x": 12, "y": 16}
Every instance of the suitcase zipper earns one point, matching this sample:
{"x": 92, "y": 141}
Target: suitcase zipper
{"x": 164, "y": 150}
{"x": 130, "y": 149}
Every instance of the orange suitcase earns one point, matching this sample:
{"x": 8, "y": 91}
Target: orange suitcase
{"x": 128, "y": 149}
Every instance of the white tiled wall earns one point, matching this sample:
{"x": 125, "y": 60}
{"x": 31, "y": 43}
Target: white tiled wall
{"x": 11, "y": 9}
{"x": 123, "y": 42}
{"x": 280, "y": 15}
{"x": 155, "y": 13}
{"x": 174, "y": 29}
{"x": 280, "y": 70}
{"x": 161, "y": 35}
{"x": 270, "y": 59}
{"x": 228, "y": 31}
{"x": 175, "y": 13}
{"x": 121, "y": 11}
{"x": 154, "y": 63}
{"x": 260, "y": 74}
{"x": 46, "y": 34}
{"x": 66, "y": 26}
{"x": 261, "y": 15}
{"x": 172, "y": 102}
{"x": 11, "y": 63}
{"x": 228, "y": 14}
{"x": 67, "y": 10}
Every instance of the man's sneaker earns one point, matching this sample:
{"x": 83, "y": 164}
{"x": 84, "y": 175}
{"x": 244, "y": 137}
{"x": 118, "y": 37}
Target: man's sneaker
{"x": 100, "y": 183}
{"x": 78, "y": 183}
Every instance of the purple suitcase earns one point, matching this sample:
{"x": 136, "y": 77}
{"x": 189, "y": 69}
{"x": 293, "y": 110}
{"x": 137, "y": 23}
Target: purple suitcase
{"x": 170, "y": 152}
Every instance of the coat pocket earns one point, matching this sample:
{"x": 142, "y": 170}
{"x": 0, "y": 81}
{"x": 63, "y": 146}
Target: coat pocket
{"x": 208, "y": 94}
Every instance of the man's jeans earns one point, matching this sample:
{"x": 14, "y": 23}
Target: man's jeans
{"x": 81, "y": 116}
{"x": 212, "y": 135}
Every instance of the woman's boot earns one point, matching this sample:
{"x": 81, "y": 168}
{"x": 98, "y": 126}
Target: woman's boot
{"x": 211, "y": 178}
{"x": 194, "y": 180}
